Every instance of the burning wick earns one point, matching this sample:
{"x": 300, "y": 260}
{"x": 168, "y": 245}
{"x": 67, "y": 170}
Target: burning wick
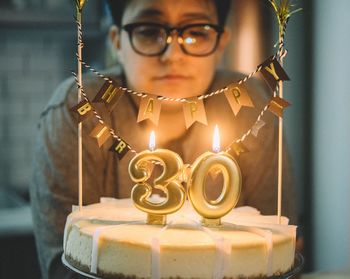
{"x": 152, "y": 141}
{"x": 216, "y": 140}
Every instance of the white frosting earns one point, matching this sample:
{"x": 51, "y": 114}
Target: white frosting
{"x": 117, "y": 240}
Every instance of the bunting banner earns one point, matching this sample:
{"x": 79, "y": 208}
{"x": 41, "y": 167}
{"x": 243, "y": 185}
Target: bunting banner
{"x": 83, "y": 110}
{"x": 236, "y": 94}
{"x": 277, "y": 106}
{"x": 238, "y": 97}
{"x": 194, "y": 111}
{"x": 120, "y": 147}
{"x": 109, "y": 95}
{"x": 273, "y": 72}
{"x": 149, "y": 108}
{"x": 101, "y": 134}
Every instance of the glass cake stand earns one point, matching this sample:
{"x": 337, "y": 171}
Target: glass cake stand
{"x": 298, "y": 266}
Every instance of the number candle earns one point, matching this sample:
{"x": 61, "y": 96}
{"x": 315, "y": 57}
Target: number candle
{"x": 213, "y": 210}
{"x": 140, "y": 170}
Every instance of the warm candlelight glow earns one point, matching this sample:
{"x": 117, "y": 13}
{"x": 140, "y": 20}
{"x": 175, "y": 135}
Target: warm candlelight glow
{"x": 152, "y": 141}
{"x": 216, "y": 139}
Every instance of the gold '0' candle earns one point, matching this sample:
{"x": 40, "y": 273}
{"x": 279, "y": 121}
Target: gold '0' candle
{"x": 140, "y": 170}
{"x": 212, "y": 210}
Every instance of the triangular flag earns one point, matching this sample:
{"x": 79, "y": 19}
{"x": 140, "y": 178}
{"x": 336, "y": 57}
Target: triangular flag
{"x": 109, "y": 94}
{"x": 256, "y": 127}
{"x": 83, "y": 110}
{"x": 120, "y": 147}
{"x": 237, "y": 97}
{"x": 237, "y": 148}
{"x": 277, "y": 105}
{"x": 194, "y": 111}
{"x": 273, "y": 72}
{"x": 100, "y": 133}
{"x": 150, "y": 108}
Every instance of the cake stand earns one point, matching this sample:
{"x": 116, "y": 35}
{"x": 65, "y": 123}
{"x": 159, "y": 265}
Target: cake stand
{"x": 298, "y": 265}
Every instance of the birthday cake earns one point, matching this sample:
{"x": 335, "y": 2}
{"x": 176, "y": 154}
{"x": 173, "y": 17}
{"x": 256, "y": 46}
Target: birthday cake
{"x": 111, "y": 239}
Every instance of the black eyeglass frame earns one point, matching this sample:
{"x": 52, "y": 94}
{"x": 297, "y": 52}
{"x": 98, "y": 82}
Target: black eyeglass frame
{"x": 129, "y": 28}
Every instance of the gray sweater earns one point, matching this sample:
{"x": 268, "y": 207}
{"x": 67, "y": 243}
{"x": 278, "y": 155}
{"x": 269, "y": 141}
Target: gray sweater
{"x": 54, "y": 185}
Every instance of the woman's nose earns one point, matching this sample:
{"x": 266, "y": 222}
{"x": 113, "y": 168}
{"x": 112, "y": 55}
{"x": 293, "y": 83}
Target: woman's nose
{"x": 173, "y": 51}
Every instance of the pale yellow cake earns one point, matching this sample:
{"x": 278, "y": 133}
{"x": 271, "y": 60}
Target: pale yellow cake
{"x": 112, "y": 240}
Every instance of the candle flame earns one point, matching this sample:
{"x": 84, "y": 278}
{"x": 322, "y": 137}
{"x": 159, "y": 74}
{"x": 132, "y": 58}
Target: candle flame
{"x": 152, "y": 141}
{"x": 216, "y": 139}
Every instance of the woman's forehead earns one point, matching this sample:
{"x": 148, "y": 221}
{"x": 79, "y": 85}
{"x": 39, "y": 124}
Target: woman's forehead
{"x": 172, "y": 11}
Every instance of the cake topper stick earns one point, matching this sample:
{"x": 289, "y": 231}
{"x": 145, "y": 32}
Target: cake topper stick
{"x": 283, "y": 9}
{"x": 280, "y": 153}
{"x": 79, "y": 7}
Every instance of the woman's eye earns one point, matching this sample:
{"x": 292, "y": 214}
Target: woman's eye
{"x": 197, "y": 33}
{"x": 149, "y": 32}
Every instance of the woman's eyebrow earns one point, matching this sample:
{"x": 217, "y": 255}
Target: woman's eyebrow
{"x": 148, "y": 13}
{"x": 155, "y": 13}
{"x": 203, "y": 16}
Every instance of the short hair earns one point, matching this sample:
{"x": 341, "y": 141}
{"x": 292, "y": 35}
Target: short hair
{"x": 117, "y": 8}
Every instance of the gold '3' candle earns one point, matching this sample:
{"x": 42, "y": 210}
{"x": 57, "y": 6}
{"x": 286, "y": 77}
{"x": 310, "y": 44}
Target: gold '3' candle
{"x": 213, "y": 210}
{"x": 140, "y": 170}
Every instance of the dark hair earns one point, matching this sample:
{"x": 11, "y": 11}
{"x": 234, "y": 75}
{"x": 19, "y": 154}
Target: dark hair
{"x": 117, "y": 8}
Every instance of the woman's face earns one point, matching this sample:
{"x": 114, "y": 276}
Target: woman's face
{"x": 173, "y": 73}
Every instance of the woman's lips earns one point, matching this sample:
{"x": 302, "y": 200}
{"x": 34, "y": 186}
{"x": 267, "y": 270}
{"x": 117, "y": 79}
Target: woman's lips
{"x": 172, "y": 77}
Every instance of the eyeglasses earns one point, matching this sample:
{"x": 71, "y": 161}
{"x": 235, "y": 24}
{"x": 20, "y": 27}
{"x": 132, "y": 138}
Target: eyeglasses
{"x": 152, "y": 39}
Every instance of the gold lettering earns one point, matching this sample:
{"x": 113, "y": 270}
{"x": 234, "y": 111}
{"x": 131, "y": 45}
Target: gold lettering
{"x": 109, "y": 94}
{"x": 272, "y": 71}
{"x": 120, "y": 147}
{"x": 84, "y": 109}
{"x": 193, "y": 108}
{"x": 101, "y": 132}
{"x": 236, "y": 94}
{"x": 150, "y": 106}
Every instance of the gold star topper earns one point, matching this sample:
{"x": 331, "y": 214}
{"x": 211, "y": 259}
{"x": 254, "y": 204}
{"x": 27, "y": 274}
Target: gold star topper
{"x": 284, "y": 9}
{"x": 80, "y": 4}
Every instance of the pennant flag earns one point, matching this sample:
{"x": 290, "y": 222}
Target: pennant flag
{"x": 256, "y": 127}
{"x": 237, "y": 96}
{"x": 194, "y": 111}
{"x": 237, "y": 148}
{"x": 273, "y": 72}
{"x": 120, "y": 147}
{"x": 109, "y": 94}
{"x": 150, "y": 108}
{"x": 277, "y": 105}
{"x": 83, "y": 110}
{"x": 100, "y": 133}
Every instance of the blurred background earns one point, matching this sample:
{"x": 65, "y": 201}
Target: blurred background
{"x": 37, "y": 52}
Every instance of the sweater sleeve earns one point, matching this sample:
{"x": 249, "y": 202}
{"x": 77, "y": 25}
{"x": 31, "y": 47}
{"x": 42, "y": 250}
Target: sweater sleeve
{"x": 54, "y": 183}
